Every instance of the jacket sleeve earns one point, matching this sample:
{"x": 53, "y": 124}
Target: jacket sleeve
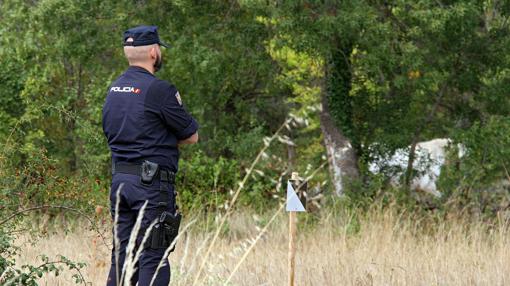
{"x": 172, "y": 111}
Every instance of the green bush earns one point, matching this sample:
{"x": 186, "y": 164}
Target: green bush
{"x": 204, "y": 182}
{"x": 479, "y": 180}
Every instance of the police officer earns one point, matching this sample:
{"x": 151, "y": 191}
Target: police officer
{"x": 144, "y": 122}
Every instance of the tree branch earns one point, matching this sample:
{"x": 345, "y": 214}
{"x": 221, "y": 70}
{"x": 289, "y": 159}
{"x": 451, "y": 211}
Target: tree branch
{"x": 44, "y": 207}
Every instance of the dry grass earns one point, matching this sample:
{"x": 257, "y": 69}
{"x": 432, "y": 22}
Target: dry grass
{"x": 386, "y": 250}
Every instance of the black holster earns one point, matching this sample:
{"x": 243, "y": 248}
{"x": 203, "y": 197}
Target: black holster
{"x": 165, "y": 231}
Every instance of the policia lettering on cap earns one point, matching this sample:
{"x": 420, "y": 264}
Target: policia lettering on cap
{"x": 145, "y": 122}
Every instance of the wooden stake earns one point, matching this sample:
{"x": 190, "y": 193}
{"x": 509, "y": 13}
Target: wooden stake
{"x": 292, "y": 239}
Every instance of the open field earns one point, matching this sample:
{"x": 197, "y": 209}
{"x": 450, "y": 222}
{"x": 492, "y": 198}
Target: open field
{"x": 383, "y": 250}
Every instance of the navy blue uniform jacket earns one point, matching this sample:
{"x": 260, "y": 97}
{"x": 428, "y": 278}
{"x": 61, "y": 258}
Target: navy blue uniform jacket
{"x": 143, "y": 119}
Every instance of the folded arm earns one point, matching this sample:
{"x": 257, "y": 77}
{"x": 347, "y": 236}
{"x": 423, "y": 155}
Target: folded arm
{"x": 190, "y": 140}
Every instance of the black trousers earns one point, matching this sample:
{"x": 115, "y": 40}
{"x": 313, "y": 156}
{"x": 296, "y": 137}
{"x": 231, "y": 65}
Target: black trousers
{"x": 132, "y": 197}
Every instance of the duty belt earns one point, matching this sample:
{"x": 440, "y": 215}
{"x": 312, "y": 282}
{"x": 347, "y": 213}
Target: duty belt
{"x": 166, "y": 178}
{"x": 136, "y": 169}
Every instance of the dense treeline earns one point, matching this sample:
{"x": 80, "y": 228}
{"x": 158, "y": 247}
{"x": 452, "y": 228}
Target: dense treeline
{"x": 368, "y": 77}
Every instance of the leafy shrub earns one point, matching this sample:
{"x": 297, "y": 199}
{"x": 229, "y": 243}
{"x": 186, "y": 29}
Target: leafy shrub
{"x": 480, "y": 179}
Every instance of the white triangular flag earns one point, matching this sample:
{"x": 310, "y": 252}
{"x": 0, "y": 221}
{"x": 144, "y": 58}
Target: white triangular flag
{"x": 293, "y": 202}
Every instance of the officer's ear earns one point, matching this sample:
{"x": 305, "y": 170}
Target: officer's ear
{"x": 153, "y": 53}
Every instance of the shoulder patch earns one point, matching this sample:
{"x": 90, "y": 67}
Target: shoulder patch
{"x": 178, "y": 96}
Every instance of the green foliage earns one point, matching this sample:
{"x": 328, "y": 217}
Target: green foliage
{"x": 400, "y": 72}
{"x": 205, "y": 182}
{"x": 479, "y": 180}
{"x": 36, "y": 184}
{"x": 29, "y": 274}
{"x": 487, "y": 152}
{"x": 422, "y": 57}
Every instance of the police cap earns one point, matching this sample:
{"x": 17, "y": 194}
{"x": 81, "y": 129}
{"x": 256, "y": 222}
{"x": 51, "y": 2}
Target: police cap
{"x": 143, "y": 36}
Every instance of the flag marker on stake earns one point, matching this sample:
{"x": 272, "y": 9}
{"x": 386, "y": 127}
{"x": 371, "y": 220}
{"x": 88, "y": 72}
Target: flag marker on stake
{"x": 294, "y": 205}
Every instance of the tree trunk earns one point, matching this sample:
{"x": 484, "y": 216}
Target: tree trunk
{"x": 342, "y": 157}
{"x": 343, "y": 162}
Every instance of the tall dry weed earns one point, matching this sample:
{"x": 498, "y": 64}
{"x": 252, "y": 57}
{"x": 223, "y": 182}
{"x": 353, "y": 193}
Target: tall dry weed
{"x": 387, "y": 247}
